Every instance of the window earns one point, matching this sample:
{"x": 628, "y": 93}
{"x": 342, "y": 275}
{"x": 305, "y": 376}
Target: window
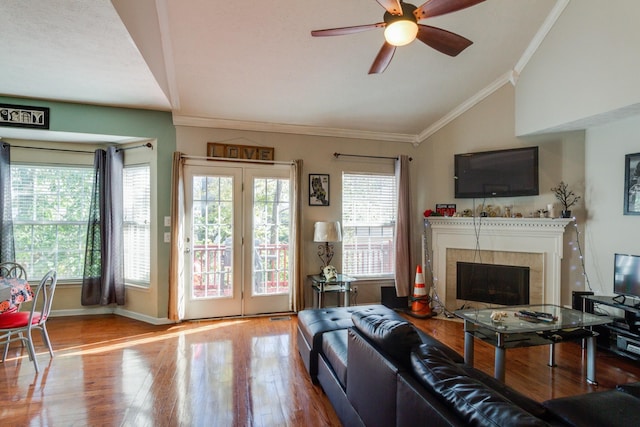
{"x": 368, "y": 223}
{"x": 50, "y": 209}
{"x": 137, "y": 223}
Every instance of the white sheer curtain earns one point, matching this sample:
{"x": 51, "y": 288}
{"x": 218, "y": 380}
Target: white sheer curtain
{"x": 403, "y": 228}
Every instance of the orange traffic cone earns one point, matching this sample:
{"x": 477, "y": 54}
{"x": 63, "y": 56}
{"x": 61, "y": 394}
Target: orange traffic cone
{"x": 420, "y": 302}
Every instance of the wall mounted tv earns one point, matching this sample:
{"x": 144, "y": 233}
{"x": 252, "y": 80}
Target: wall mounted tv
{"x": 499, "y": 173}
{"x": 626, "y": 275}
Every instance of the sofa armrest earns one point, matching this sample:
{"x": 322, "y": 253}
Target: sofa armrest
{"x": 600, "y": 408}
{"x": 371, "y": 382}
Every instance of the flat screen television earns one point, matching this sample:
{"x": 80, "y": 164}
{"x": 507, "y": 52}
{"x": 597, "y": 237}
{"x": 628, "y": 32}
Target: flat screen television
{"x": 626, "y": 275}
{"x": 499, "y": 173}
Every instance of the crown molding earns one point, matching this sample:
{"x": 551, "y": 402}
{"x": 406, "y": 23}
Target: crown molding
{"x": 509, "y": 77}
{"x": 291, "y": 129}
{"x": 540, "y": 35}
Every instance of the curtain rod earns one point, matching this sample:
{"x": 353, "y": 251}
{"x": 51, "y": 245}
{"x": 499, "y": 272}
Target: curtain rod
{"x": 231, "y": 159}
{"x": 148, "y": 145}
{"x": 336, "y": 155}
{"x": 4, "y": 144}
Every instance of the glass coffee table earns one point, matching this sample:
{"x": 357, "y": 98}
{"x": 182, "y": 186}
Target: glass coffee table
{"x": 526, "y": 326}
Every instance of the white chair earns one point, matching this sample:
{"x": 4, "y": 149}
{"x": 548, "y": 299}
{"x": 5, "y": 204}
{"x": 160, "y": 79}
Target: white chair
{"x": 18, "y": 326}
{"x": 12, "y": 269}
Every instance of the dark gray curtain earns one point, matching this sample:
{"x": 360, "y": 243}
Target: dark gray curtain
{"x": 103, "y": 278}
{"x": 7, "y": 248}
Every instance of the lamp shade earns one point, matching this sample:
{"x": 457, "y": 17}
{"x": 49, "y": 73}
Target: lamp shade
{"x": 327, "y": 232}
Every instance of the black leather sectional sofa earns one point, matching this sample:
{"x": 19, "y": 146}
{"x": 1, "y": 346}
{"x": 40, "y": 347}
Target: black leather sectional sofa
{"x": 378, "y": 370}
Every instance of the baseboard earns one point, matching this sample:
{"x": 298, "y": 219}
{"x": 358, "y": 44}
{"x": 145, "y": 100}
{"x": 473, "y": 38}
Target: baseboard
{"x": 93, "y": 311}
{"x": 82, "y": 312}
{"x": 143, "y": 317}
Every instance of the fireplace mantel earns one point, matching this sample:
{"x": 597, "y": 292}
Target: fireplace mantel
{"x": 543, "y": 236}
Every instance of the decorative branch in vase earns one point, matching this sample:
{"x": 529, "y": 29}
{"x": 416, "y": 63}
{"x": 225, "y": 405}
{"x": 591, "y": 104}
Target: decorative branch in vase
{"x": 566, "y": 197}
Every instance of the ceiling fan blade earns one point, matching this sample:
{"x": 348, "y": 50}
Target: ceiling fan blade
{"x": 383, "y": 59}
{"x": 442, "y": 40}
{"x": 391, "y": 6}
{"x": 346, "y": 30}
{"x": 433, "y": 8}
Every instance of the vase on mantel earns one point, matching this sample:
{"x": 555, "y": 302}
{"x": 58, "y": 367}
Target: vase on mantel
{"x": 566, "y": 214}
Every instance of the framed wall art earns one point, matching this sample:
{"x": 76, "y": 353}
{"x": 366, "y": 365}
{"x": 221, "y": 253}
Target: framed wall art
{"x": 24, "y": 117}
{"x": 632, "y": 184}
{"x": 236, "y": 151}
{"x": 318, "y": 189}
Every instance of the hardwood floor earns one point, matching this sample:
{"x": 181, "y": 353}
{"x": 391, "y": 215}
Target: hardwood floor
{"x": 114, "y": 371}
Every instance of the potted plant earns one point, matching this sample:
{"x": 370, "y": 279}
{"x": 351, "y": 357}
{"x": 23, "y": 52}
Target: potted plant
{"x": 566, "y": 197}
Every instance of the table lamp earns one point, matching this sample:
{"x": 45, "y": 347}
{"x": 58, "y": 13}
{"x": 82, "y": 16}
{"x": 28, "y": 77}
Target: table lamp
{"x": 326, "y": 233}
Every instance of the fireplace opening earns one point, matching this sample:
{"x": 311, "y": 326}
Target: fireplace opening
{"x": 492, "y": 283}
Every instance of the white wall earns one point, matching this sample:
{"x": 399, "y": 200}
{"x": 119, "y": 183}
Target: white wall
{"x": 585, "y": 74}
{"x": 609, "y": 230}
{"x": 587, "y": 67}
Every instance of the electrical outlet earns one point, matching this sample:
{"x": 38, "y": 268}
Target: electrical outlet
{"x": 354, "y": 289}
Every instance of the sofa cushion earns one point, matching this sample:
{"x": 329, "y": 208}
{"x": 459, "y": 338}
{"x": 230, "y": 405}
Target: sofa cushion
{"x": 313, "y": 323}
{"x": 476, "y": 403}
{"x": 533, "y": 407}
{"x": 392, "y": 334}
{"x": 334, "y": 349}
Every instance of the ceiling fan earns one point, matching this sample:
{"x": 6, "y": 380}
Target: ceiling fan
{"x": 401, "y": 28}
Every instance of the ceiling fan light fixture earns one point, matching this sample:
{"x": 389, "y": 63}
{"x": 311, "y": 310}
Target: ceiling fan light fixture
{"x": 401, "y": 32}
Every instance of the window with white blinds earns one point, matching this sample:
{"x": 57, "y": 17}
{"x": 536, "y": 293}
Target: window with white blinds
{"x": 50, "y": 207}
{"x": 137, "y": 224}
{"x": 368, "y": 221}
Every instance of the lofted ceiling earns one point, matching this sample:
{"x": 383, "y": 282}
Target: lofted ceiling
{"x": 255, "y": 66}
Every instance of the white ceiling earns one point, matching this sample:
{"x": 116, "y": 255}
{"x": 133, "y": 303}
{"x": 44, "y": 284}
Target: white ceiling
{"x": 254, "y": 65}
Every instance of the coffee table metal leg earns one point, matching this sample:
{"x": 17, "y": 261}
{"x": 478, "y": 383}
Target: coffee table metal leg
{"x": 591, "y": 360}
{"x": 468, "y": 343}
{"x": 501, "y": 356}
{"x": 552, "y": 355}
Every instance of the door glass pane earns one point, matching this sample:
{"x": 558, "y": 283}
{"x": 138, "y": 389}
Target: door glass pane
{"x": 212, "y": 237}
{"x": 271, "y": 224}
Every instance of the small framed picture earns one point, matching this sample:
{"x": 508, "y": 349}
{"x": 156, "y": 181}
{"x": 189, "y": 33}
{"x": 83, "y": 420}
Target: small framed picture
{"x": 632, "y": 184}
{"x": 318, "y": 189}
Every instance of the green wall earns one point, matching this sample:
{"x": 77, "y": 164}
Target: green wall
{"x": 137, "y": 123}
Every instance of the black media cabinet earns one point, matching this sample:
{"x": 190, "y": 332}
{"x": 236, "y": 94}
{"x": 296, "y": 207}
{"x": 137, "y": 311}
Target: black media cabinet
{"x": 623, "y": 335}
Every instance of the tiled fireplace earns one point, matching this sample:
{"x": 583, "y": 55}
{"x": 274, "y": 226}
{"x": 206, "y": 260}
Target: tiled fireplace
{"x": 529, "y": 242}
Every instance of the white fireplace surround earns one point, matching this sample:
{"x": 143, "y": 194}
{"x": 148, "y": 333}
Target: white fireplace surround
{"x": 542, "y": 236}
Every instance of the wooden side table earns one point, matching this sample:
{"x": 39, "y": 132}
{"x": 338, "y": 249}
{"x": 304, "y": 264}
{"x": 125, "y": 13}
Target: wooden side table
{"x": 320, "y": 286}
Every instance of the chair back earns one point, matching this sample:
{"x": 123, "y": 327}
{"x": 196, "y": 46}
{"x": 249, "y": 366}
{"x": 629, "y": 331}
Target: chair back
{"x": 12, "y": 270}
{"x": 43, "y": 297}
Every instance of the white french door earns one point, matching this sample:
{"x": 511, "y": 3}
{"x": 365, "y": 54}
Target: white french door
{"x": 238, "y": 228}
